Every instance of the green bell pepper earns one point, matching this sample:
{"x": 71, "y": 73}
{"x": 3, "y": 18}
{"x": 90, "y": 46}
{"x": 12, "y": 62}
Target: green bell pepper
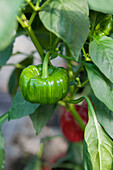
{"x": 44, "y": 84}
{"x": 105, "y": 27}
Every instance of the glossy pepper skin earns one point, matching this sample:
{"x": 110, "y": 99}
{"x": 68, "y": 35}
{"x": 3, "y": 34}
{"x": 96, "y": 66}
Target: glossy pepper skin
{"x": 105, "y": 27}
{"x": 44, "y": 90}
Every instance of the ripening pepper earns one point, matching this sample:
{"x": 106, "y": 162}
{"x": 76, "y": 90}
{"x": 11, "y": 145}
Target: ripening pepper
{"x": 44, "y": 84}
{"x": 69, "y": 126}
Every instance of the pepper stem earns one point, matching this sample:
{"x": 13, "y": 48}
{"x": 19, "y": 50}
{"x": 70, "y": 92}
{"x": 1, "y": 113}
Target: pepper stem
{"x": 45, "y": 73}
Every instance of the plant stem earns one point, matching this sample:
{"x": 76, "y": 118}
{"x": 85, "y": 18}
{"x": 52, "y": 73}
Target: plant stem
{"x": 50, "y": 138}
{"x": 76, "y": 116}
{"x": 82, "y": 85}
{"x": 32, "y": 6}
{"x": 17, "y": 53}
{"x": 55, "y": 44}
{"x": 70, "y": 70}
{"x": 45, "y": 73}
{"x": 21, "y": 22}
{"x": 20, "y": 66}
{"x": 74, "y": 101}
{"x": 71, "y": 107}
{"x": 22, "y": 53}
{"x": 44, "y": 4}
{"x": 66, "y": 57}
{"x": 37, "y": 3}
{"x": 3, "y": 118}
{"x": 35, "y": 41}
{"x": 65, "y": 166}
{"x": 28, "y": 28}
{"x": 39, "y": 154}
{"x": 90, "y": 106}
{"x": 91, "y": 111}
{"x": 32, "y": 17}
{"x": 85, "y": 55}
{"x": 78, "y": 70}
{"x": 85, "y": 82}
{"x": 61, "y": 102}
{"x": 35, "y": 8}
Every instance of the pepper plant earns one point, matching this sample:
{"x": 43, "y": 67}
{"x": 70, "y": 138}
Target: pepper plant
{"x": 81, "y": 32}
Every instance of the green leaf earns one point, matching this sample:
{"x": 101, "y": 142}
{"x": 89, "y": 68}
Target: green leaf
{"x": 8, "y": 12}
{"x": 99, "y": 145}
{"x": 74, "y": 153}
{"x": 34, "y": 164}
{"x": 104, "y": 115}
{"x": 73, "y": 157}
{"x": 68, "y": 20}
{"x": 101, "y": 53}
{"x": 21, "y": 107}
{"x": 45, "y": 38}
{"x": 101, "y": 5}
{"x": 2, "y": 153}
{"x": 87, "y": 165}
{"x": 100, "y": 86}
{"x": 5, "y": 54}
{"x": 14, "y": 78}
{"x": 41, "y": 116}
